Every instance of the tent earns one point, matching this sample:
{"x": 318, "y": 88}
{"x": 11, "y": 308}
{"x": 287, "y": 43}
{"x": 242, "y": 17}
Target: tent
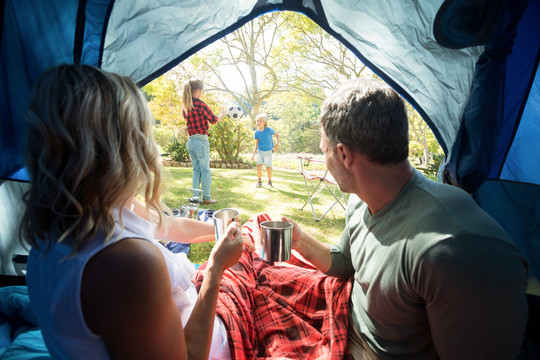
{"x": 469, "y": 67}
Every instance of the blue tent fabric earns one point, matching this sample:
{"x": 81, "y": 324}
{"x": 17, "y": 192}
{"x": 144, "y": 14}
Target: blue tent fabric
{"x": 516, "y": 206}
{"x": 495, "y": 155}
{"x": 482, "y": 102}
{"x": 494, "y": 115}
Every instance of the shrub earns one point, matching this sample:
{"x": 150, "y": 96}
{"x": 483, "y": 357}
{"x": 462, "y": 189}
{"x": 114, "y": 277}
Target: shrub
{"x": 163, "y": 136}
{"x": 432, "y": 170}
{"x": 178, "y": 150}
{"x": 230, "y": 138}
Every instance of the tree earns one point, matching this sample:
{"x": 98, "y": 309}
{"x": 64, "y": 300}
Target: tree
{"x": 165, "y": 102}
{"x": 422, "y": 142}
{"x": 249, "y": 54}
{"x": 326, "y": 55}
{"x": 296, "y": 121}
{"x": 264, "y": 66}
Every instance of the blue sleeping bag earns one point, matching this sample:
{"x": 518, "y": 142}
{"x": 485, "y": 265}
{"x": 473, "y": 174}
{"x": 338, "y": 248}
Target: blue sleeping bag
{"x": 20, "y": 336}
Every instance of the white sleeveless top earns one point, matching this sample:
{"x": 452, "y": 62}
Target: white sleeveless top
{"x": 54, "y": 285}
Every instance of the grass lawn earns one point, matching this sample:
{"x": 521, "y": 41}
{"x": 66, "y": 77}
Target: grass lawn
{"x": 236, "y": 188}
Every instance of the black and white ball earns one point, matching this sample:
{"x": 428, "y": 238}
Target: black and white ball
{"x": 234, "y": 112}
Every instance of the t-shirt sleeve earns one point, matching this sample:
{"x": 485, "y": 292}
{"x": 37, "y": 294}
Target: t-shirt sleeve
{"x": 465, "y": 293}
{"x": 341, "y": 257}
{"x": 341, "y": 252}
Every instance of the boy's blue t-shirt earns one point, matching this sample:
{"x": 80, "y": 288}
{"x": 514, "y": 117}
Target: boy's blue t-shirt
{"x": 265, "y": 139}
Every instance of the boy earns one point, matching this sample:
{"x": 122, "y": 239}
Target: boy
{"x": 264, "y": 143}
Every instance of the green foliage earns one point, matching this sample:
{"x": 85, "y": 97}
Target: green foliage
{"x": 422, "y": 142}
{"x": 229, "y": 138}
{"x": 178, "y": 150}
{"x": 432, "y": 169}
{"x": 298, "y": 125}
{"x": 165, "y": 102}
{"x": 163, "y": 136}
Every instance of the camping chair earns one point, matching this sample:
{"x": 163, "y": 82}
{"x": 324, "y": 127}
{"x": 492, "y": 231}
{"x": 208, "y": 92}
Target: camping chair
{"x": 316, "y": 181}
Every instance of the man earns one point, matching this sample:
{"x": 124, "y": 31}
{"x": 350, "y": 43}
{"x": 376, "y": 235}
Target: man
{"x": 433, "y": 275}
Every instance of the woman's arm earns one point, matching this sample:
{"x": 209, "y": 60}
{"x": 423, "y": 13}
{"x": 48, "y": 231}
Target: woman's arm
{"x": 225, "y": 253}
{"x": 276, "y": 147}
{"x": 177, "y": 229}
{"x": 127, "y": 300}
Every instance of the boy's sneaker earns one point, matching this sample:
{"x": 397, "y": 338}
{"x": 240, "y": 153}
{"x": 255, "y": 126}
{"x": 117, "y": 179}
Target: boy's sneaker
{"x": 270, "y": 184}
{"x": 259, "y": 184}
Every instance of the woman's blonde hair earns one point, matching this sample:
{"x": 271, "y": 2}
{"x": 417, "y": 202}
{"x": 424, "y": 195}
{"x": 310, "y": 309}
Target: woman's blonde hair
{"x": 90, "y": 149}
{"x": 187, "y": 95}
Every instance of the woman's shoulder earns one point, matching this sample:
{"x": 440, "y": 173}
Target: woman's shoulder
{"x": 123, "y": 280}
{"x": 129, "y": 256}
{"x": 125, "y": 270}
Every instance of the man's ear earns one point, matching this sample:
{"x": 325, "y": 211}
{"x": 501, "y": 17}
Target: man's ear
{"x": 344, "y": 154}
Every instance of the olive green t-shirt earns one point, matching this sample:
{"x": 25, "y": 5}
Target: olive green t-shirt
{"x": 434, "y": 276}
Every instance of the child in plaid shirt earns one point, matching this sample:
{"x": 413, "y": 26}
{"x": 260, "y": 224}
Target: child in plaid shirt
{"x": 198, "y": 119}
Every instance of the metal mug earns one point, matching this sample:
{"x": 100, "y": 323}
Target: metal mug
{"x": 275, "y": 241}
{"x": 222, "y": 218}
{"x": 189, "y": 211}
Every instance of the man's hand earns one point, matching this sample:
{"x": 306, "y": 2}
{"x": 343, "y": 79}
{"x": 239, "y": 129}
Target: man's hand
{"x": 314, "y": 251}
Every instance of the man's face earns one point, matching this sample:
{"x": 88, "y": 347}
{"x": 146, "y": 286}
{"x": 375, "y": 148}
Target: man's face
{"x": 334, "y": 164}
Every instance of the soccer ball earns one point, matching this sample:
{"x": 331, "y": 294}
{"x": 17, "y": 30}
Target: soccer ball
{"x": 234, "y": 112}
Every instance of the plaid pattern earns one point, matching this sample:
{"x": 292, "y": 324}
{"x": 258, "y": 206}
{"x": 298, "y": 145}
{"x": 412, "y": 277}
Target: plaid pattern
{"x": 198, "y": 118}
{"x": 285, "y": 310}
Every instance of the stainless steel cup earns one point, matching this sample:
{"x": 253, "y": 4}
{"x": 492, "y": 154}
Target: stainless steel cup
{"x": 222, "y": 218}
{"x": 275, "y": 243}
{"x": 190, "y": 211}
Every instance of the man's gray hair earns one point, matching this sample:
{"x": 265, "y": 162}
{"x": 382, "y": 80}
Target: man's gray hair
{"x": 370, "y": 117}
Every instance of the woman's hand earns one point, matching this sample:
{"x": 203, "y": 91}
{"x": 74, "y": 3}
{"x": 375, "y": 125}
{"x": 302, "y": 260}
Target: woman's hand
{"x": 228, "y": 249}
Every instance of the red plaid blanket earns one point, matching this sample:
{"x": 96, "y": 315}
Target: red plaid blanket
{"x": 282, "y": 310}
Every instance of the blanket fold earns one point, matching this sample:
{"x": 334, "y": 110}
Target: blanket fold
{"x": 285, "y": 310}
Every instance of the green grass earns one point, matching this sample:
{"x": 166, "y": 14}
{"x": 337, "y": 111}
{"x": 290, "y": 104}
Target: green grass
{"x": 236, "y": 188}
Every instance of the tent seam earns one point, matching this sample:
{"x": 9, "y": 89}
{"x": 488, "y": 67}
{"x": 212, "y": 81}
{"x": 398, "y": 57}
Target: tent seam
{"x": 104, "y": 32}
{"x": 79, "y": 32}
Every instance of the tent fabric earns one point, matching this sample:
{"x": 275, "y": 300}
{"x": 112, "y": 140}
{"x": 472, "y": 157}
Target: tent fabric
{"x": 494, "y": 136}
{"x": 482, "y": 102}
{"x": 144, "y": 39}
{"x": 515, "y": 205}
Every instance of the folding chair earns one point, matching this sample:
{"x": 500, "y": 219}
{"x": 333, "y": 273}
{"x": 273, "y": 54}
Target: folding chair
{"x": 317, "y": 180}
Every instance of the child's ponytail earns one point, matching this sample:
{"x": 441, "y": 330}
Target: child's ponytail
{"x": 187, "y": 95}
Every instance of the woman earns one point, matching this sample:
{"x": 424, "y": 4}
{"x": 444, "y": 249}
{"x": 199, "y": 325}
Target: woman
{"x": 198, "y": 116}
{"x": 100, "y": 284}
